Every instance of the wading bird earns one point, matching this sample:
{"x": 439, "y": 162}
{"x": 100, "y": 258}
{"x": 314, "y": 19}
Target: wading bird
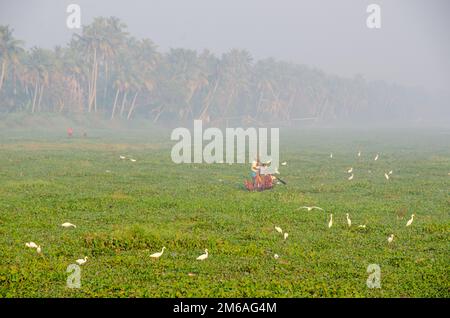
{"x": 276, "y": 256}
{"x": 331, "y": 155}
{"x": 410, "y": 220}
{"x": 286, "y": 235}
{"x": 81, "y": 261}
{"x": 67, "y": 224}
{"x": 159, "y": 254}
{"x": 38, "y": 249}
{"x": 133, "y": 160}
{"x": 390, "y": 238}
{"x": 284, "y": 163}
{"x": 350, "y": 170}
{"x": 349, "y": 222}
{"x": 309, "y": 208}
{"x": 359, "y": 153}
{"x": 386, "y": 176}
{"x": 203, "y": 256}
{"x": 363, "y": 226}
{"x": 351, "y": 177}
{"x": 376, "y": 157}
{"x": 330, "y": 223}
{"x": 122, "y": 157}
{"x": 278, "y": 229}
{"x": 31, "y": 244}
{"x": 390, "y": 172}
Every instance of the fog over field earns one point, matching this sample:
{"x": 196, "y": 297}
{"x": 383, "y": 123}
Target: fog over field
{"x": 294, "y": 63}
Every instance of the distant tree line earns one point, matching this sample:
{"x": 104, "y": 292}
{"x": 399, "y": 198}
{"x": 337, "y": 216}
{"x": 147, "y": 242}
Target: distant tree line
{"x": 105, "y": 70}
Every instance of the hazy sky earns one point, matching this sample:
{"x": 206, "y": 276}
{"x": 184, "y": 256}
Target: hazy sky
{"x": 412, "y": 47}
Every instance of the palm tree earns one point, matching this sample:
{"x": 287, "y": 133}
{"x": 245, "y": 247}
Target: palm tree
{"x": 10, "y": 50}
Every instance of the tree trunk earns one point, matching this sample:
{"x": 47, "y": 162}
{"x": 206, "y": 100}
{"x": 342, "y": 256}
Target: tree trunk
{"x": 123, "y": 104}
{"x": 33, "y": 108}
{"x": 132, "y": 106}
{"x": 115, "y": 105}
{"x": 2, "y": 75}
{"x": 209, "y": 99}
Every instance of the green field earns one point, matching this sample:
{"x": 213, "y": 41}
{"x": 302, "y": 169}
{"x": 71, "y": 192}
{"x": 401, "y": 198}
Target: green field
{"x": 125, "y": 211}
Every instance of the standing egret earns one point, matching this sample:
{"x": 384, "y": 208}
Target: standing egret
{"x": 158, "y": 255}
{"x": 122, "y": 157}
{"x": 286, "y": 235}
{"x": 390, "y": 172}
{"x": 376, "y": 157}
{"x": 410, "y": 220}
{"x": 350, "y": 170}
{"x": 81, "y": 261}
{"x": 278, "y": 229}
{"x": 38, "y": 249}
{"x": 349, "y": 222}
{"x": 359, "y": 153}
{"x": 203, "y": 256}
{"x": 351, "y": 177}
{"x": 331, "y": 155}
{"x": 386, "y": 176}
{"x": 132, "y": 160}
{"x": 31, "y": 244}
{"x": 330, "y": 224}
{"x": 284, "y": 163}
{"x": 390, "y": 238}
{"x": 67, "y": 224}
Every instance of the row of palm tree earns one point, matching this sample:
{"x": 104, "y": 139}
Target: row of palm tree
{"x": 107, "y": 71}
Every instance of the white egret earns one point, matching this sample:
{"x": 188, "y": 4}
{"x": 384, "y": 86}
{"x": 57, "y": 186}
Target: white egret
{"x": 350, "y": 170}
{"x": 67, "y": 224}
{"x": 284, "y": 163}
{"x": 81, "y": 261}
{"x": 330, "y": 223}
{"x": 132, "y": 160}
{"x": 410, "y": 220}
{"x": 349, "y": 222}
{"x": 359, "y": 153}
{"x": 203, "y": 256}
{"x": 309, "y": 208}
{"x": 286, "y": 235}
{"x": 376, "y": 157}
{"x": 276, "y": 256}
{"x": 390, "y": 238}
{"x": 363, "y": 226}
{"x": 278, "y": 229}
{"x": 159, "y": 254}
{"x": 386, "y": 176}
{"x": 331, "y": 155}
{"x": 390, "y": 172}
{"x": 38, "y": 249}
{"x": 351, "y": 177}
{"x": 31, "y": 244}
{"x": 122, "y": 157}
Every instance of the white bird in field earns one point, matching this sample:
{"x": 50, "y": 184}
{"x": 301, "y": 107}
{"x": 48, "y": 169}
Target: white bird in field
{"x": 376, "y": 157}
{"x": 330, "y": 223}
{"x": 38, "y": 249}
{"x": 390, "y": 172}
{"x": 122, "y": 157}
{"x": 67, "y": 224}
{"x": 350, "y": 170}
{"x": 309, "y": 208}
{"x": 133, "y": 160}
{"x": 386, "y": 176}
{"x": 159, "y": 254}
{"x": 390, "y": 238}
{"x": 278, "y": 229}
{"x": 276, "y": 256}
{"x": 359, "y": 153}
{"x": 31, "y": 244}
{"x": 331, "y": 155}
{"x": 286, "y": 235}
{"x": 276, "y": 171}
{"x": 349, "y": 222}
{"x": 284, "y": 163}
{"x": 410, "y": 220}
{"x": 351, "y": 177}
{"x": 363, "y": 226}
{"x": 203, "y": 256}
{"x": 81, "y": 261}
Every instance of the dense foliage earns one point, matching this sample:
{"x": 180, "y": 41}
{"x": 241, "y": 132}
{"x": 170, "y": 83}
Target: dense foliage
{"x": 105, "y": 70}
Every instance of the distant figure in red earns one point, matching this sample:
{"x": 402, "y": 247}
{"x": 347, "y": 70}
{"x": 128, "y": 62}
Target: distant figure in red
{"x": 69, "y": 132}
